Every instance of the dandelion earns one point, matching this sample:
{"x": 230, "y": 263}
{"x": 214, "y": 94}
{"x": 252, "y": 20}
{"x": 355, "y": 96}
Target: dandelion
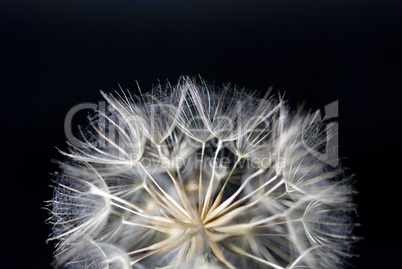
{"x": 193, "y": 176}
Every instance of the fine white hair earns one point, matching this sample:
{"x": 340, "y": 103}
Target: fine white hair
{"x": 194, "y": 176}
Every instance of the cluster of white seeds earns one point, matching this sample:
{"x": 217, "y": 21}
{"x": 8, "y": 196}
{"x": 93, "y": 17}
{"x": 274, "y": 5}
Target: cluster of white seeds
{"x": 190, "y": 176}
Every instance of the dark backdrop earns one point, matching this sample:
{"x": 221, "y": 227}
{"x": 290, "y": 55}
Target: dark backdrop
{"x": 57, "y": 54}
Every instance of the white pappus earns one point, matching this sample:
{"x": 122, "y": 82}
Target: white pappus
{"x": 193, "y": 176}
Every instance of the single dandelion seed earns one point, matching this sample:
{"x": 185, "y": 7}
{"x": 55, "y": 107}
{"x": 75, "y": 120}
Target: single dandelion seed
{"x": 193, "y": 176}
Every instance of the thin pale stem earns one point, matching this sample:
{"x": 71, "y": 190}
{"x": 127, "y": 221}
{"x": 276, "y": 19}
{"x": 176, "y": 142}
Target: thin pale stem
{"x": 200, "y": 186}
{"x": 219, "y": 254}
{"x": 232, "y": 207}
{"x": 208, "y": 195}
{"x": 158, "y": 228}
{"x": 162, "y": 246}
{"x": 220, "y": 195}
{"x": 169, "y": 198}
{"x": 225, "y": 217}
{"x": 179, "y": 187}
{"x": 155, "y": 218}
{"x": 240, "y": 251}
{"x": 228, "y": 201}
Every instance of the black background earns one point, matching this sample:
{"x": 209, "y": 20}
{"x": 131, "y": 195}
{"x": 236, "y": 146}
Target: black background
{"x": 57, "y": 54}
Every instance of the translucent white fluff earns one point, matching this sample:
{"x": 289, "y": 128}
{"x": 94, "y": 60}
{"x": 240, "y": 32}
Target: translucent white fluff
{"x": 191, "y": 176}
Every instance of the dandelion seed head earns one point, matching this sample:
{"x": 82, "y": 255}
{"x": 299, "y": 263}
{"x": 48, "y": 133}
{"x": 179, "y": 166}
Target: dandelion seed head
{"x": 194, "y": 176}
